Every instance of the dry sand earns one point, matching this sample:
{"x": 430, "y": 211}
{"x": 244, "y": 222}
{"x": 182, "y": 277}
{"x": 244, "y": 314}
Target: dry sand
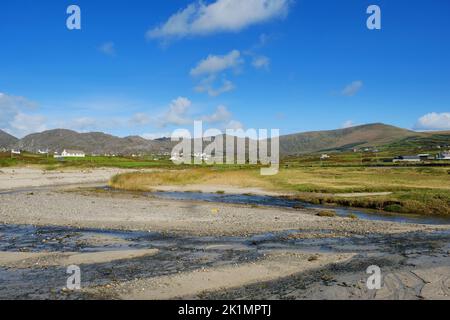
{"x": 28, "y": 177}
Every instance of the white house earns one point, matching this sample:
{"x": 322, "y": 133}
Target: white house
{"x": 73, "y": 154}
{"x": 13, "y": 151}
{"x": 443, "y": 156}
{"x": 407, "y": 159}
{"x": 201, "y": 156}
{"x": 176, "y": 157}
{"x": 324, "y": 157}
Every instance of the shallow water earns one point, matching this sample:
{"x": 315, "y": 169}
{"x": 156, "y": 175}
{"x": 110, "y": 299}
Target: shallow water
{"x": 287, "y": 203}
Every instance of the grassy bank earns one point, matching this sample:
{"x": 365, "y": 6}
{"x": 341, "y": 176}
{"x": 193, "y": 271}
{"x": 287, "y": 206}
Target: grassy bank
{"x": 414, "y": 190}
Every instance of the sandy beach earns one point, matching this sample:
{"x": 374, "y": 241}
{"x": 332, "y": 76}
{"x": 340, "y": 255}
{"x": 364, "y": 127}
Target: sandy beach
{"x": 137, "y": 246}
{"x": 29, "y": 177}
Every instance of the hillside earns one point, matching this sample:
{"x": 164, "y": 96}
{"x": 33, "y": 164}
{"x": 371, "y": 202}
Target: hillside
{"x": 377, "y": 134}
{"x": 7, "y": 140}
{"x": 93, "y": 142}
{"x": 371, "y": 135}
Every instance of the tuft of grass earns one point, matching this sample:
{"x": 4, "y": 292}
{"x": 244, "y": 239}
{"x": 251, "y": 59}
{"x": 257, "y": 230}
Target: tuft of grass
{"x": 326, "y": 213}
{"x": 51, "y": 167}
{"x": 394, "y": 208}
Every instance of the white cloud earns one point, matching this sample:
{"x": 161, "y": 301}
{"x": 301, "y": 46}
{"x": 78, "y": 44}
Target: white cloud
{"x": 352, "y": 89}
{"x": 216, "y": 64}
{"x": 348, "y": 124}
{"x": 83, "y": 123}
{"x": 234, "y": 125}
{"x": 108, "y": 48}
{"x": 207, "y": 85}
{"x": 261, "y": 62}
{"x": 156, "y": 135}
{"x": 213, "y": 65}
{"x": 434, "y": 121}
{"x": 140, "y": 119}
{"x": 199, "y": 18}
{"x": 24, "y": 124}
{"x": 222, "y": 114}
{"x": 13, "y": 115}
{"x": 177, "y": 113}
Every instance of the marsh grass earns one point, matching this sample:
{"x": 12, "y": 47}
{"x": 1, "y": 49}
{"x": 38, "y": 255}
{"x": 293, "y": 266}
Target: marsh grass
{"x": 414, "y": 190}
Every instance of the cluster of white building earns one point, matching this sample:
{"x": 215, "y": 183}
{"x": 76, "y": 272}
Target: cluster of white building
{"x": 178, "y": 157}
{"x": 423, "y": 157}
{"x": 67, "y": 153}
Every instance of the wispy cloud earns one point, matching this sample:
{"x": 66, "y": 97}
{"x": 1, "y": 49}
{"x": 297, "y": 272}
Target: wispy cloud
{"x": 156, "y": 135}
{"x": 20, "y": 117}
{"x": 261, "y": 62}
{"x": 352, "y": 89}
{"x": 108, "y": 48}
{"x": 348, "y": 124}
{"x": 141, "y": 119}
{"x": 209, "y": 69}
{"x": 177, "y": 114}
{"x": 208, "y": 85}
{"x": 222, "y": 114}
{"x": 202, "y": 19}
{"x": 16, "y": 115}
{"x": 24, "y": 124}
{"x": 214, "y": 64}
{"x": 434, "y": 121}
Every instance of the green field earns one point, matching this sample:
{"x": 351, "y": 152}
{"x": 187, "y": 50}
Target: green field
{"x": 50, "y": 163}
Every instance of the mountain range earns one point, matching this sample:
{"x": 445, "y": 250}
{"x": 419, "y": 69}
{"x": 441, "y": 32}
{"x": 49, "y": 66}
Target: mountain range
{"x": 370, "y": 135}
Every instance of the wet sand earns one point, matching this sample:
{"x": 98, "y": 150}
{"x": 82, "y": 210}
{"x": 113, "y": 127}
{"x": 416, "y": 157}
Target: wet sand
{"x": 191, "y": 284}
{"x": 132, "y": 246}
{"x": 23, "y": 260}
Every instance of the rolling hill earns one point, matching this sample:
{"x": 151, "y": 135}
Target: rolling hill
{"x": 377, "y": 134}
{"x": 93, "y": 142}
{"x": 7, "y": 140}
{"x": 370, "y": 135}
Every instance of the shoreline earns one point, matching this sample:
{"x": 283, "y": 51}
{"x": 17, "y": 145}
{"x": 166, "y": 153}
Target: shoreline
{"x": 87, "y": 209}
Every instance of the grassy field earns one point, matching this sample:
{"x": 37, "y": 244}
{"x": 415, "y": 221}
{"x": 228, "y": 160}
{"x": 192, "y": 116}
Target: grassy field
{"x": 414, "y": 190}
{"x": 420, "y": 189}
{"x": 50, "y": 163}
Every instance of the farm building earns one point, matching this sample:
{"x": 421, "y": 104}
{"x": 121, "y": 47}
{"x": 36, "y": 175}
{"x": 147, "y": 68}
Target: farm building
{"x": 73, "y": 154}
{"x": 443, "y": 156}
{"x": 407, "y": 159}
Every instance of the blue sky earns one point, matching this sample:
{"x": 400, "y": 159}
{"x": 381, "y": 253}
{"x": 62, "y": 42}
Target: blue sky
{"x": 147, "y": 67}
